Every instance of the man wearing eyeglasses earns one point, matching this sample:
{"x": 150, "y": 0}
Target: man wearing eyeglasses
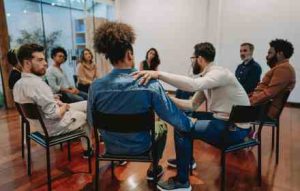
{"x": 222, "y": 91}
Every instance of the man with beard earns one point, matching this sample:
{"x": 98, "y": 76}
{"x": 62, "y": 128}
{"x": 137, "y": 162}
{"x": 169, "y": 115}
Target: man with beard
{"x": 248, "y": 73}
{"x": 279, "y": 79}
{"x": 59, "y": 118}
{"x": 222, "y": 91}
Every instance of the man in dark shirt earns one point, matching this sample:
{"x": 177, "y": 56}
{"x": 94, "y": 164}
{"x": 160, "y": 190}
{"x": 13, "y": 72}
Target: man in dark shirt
{"x": 248, "y": 72}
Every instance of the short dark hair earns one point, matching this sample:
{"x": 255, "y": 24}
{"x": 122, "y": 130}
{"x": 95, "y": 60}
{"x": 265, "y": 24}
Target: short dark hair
{"x": 114, "y": 39}
{"x": 205, "y": 50}
{"x": 284, "y": 46}
{"x": 25, "y": 51}
{"x": 12, "y": 57}
{"x": 58, "y": 49}
{"x": 251, "y": 46}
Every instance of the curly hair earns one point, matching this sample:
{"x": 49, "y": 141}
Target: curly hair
{"x": 58, "y": 49}
{"x": 284, "y": 46}
{"x": 114, "y": 39}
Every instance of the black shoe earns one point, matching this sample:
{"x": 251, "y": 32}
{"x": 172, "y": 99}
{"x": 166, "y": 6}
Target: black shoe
{"x": 172, "y": 184}
{"x": 173, "y": 163}
{"x": 87, "y": 154}
{"x": 150, "y": 173}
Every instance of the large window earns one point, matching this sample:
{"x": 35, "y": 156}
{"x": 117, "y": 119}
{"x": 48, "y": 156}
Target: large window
{"x": 66, "y": 23}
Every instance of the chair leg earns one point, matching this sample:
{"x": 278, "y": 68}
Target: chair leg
{"x": 22, "y": 136}
{"x": 191, "y": 165}
{"x": 28, "y": 152}
{"x": 223, "y": 171}
{"x": 69, "y": 151}
{"x": 259, "y": 164}
{"x": 277, "y": 143}
{"x": 155, "y": 168}
{"x": 90, "y": 157}
{"x": 97, "y": 175}
{"x": 112, "y": 169}
{"x": 273, "y": 136}
{"x": 48, "y": 168}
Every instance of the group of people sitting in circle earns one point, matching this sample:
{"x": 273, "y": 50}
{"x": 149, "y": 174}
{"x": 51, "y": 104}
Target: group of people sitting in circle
{"x": 126, "y": 90}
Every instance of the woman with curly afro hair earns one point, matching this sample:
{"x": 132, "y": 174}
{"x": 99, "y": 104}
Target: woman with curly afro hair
{"x": 119, "y": 93}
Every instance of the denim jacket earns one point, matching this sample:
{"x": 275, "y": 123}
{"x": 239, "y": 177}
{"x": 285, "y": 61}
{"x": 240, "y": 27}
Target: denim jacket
{"x": 119, "y": 93}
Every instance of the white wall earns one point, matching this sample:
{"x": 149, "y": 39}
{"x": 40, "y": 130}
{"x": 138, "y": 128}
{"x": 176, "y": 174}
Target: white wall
{"x": 171, "y": 26}
{"x": 175, "y": 26}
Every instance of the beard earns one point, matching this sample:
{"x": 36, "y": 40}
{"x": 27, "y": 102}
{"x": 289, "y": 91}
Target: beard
{"x": 243, "y": 57}
{"x": 272, "y": 61}
{"x": 196, "y": 69}
{"x": 41, "y": 72}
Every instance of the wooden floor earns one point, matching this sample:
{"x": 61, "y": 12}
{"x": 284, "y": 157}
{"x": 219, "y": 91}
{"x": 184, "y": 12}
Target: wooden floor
{"x": 241, "y": 166}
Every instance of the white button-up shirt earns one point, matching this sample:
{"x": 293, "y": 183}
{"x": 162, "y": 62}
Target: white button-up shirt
{"x": 32, "y": 89}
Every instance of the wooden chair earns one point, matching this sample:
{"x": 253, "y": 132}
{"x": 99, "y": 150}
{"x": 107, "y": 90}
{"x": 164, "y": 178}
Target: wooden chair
{"x": 24, "y": 126}
{"x": 31, "y": 111}
{"x": 275, "y": 124}
{"x": 127, "y": 123}
{"x": 242, "y": 114}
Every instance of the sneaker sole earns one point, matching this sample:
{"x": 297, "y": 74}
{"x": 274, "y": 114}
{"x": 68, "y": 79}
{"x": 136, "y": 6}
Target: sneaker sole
{"x": 158, "y": 176}
{"x": 122, "y": 164}
{"x": 176, "y": 189}
{"x": 175, "y": 166}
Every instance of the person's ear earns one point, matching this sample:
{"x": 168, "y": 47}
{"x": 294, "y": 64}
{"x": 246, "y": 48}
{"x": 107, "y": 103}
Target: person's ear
{"x": 27, "y": 64}
{"x": 199, "y": 59}
{"x": 129, "y": 55}
{"x": 280, "y": 54}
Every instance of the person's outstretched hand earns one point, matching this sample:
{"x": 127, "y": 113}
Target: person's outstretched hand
{"x": 145, "y": 76}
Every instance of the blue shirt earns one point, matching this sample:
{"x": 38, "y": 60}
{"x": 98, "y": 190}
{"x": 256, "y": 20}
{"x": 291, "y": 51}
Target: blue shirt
{"x": 119, "y": 93}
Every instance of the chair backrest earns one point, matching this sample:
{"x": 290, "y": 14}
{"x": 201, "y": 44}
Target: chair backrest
{"x": 124, "y": 123}
{"x": 284, "y": 99}
{"x": 247, "y": 114}
{"x": 31, "y": 111}
{"x": 19, "y": 110}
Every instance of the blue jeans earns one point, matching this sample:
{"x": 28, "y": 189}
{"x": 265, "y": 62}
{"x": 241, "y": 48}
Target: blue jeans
{"x": 208, "y": 129}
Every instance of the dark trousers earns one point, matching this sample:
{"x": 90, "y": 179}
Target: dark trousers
{"x": 84, "y": 87}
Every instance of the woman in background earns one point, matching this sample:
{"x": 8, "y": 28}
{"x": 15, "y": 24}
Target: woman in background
{"x": 86, "y": 70}
{"x": 152, "y": 60}
{"x": 15, "y": 73}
